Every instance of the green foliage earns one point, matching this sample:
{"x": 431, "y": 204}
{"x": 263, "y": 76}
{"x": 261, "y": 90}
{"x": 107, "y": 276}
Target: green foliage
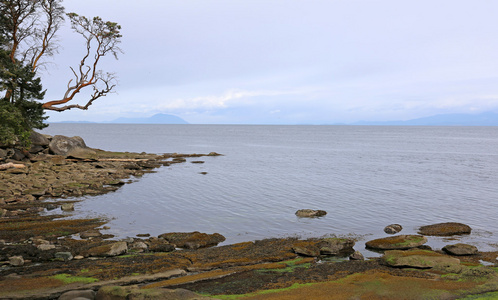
{"x": 20, "y": 112}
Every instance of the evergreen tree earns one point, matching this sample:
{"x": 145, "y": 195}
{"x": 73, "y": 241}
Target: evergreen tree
{"x": 21, "y": 112}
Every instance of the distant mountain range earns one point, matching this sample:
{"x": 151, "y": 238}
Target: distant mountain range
{"x": 482, "y": 119}
{"x": 155, "y": 119}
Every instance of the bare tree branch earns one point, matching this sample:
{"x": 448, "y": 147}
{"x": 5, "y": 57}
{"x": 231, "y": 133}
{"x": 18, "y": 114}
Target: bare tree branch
{"x": 104, "y": 38}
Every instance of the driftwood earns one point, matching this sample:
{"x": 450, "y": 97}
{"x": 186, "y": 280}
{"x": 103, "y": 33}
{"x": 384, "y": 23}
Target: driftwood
{"x": 11, "y": 165}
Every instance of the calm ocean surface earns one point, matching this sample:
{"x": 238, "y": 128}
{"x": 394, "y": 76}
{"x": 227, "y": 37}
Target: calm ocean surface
{"x": 365, "y": 177}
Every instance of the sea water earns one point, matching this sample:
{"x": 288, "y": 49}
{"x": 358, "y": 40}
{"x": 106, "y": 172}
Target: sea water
{"x": 365, "y": 177}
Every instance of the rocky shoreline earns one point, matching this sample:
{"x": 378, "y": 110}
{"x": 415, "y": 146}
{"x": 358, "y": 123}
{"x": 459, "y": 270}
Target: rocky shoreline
{"x": 45, "y": 256}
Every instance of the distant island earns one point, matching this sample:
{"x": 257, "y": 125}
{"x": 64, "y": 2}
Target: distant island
{"x": 482, "y": 119}
{"x": 155, "y": 119}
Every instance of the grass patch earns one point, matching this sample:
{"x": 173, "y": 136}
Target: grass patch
{"x": 67, "y": 279}
{"x": 291, "y": 266}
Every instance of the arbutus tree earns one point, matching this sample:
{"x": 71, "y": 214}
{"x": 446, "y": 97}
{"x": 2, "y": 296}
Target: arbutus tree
{"x": 29, "y": 28}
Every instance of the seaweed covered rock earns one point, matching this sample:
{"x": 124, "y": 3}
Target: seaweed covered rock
{"x": 193, "y": 240}
{"x": 445, "y": 229}
{"x": 398, "y": 242}
{"x": 420, "y": 259}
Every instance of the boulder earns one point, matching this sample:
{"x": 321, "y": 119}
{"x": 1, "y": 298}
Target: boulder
{"x": 460, "y": 249}
{"x": 393, "y": 229}
{"x": 420, "y": 259}
{"x": 310, "y": 213}
{"x": 38, "y": 139}
{"x": 82, "y": 294}
{"x": 445, "y": 229}
{"x": 336, "y": 246}
{"x": 193, "y": 240}
{"x": 19, "y": 155}
{"x": 62, "y": 145}
{"x": 398, "y": 242}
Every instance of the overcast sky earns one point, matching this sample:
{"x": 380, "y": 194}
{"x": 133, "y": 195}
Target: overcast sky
{"x": 290, "y": 61}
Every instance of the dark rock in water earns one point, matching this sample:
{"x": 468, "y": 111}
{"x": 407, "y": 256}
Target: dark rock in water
{"x": 197, "y": 162}
{"x": 398, "y": 242}
{"x": 356, "y": 256}
{"x": 214, "y": 154}
{"x": 67, "y": 207}
{"x": 193, "y": 240}
{"x": 460, "y": 249}
{"x": 393, "y": 229}
{"x": 445, "y": 229}
{"x": 90, "y": 234}
{"x": 420, "y": 259}
{"x": 310, "y": 213}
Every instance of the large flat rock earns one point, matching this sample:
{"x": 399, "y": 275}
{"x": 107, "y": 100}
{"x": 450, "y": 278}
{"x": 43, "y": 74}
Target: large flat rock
{"x": 398, "y": 242}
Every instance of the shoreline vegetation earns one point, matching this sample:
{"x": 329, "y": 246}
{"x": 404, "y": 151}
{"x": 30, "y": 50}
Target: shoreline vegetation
{"x": 47, "y": 256}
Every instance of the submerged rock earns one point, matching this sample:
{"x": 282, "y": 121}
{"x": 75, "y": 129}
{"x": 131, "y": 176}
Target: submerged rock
{"x": 445, "y": 229}
{"x": 399, "y": 242}
{"x": 310, "y": 213}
